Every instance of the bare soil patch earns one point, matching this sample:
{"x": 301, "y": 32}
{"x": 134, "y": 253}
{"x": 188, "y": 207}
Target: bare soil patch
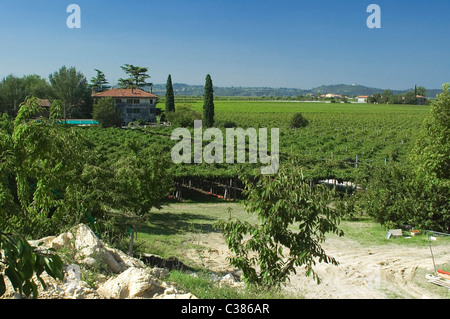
{"x": 364, "y": 272}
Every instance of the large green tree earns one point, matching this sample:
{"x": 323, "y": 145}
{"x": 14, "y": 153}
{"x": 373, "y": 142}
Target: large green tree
{"x": 14, "y": 90}
{"x": 170, "y": 98}
{"x": 137, "y": 77}
{"x": 41, "y": 166}
{"x": 99, "y": 82}
{"x": 431, "y": 153}
{"x": 71, "y": 86}
{"x": 208, "y": 103}
{"x": 416, "y": 191}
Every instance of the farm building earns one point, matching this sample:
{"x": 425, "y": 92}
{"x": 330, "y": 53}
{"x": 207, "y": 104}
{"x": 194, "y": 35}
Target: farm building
{"x": 420, "y": 99}
{"x": 332, "y": 95}
{"x": 363, "y": 99}
{"x": 133, "y": 103}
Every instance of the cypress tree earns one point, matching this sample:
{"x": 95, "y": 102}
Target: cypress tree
{"x": 170, "y": 99}
{"x": 415, "y": 94}
{"x": 208, "y": 104}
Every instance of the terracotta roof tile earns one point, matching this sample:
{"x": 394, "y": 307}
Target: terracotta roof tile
{"x": 125, "y": 93}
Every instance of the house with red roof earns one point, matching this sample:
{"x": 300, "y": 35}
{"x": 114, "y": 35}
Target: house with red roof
{"x": 133, "y": 103}
{"x": 363, "y": 98}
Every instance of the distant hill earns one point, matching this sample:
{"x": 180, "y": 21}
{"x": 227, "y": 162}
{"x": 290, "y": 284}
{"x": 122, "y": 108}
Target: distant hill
{"x": 342, "y": 89}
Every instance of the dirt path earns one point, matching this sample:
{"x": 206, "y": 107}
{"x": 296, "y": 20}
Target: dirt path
{"x": 377, "y": 272}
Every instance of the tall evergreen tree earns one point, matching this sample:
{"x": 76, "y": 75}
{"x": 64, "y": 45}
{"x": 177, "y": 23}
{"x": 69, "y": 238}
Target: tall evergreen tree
{"x": 99, "y": 83}
{"x": 415, "y": 94}
{"x": 137, "y": 77}
{"x": 170, "y": 98}
{"x": 208, "y": 104}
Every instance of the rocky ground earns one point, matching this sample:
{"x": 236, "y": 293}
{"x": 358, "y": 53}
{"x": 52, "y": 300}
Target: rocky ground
{"x": 378, "y": 272}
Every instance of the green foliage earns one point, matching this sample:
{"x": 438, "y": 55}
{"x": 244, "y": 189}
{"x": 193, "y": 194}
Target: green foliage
{"x": 14, "y": 90}
{"x": 106, "y": 113}
{"x": 42, "y": 161}
{"x": 21, "y": 262}
{"x": 293, "y": 220}
{"x": 208, "y": 103}
{"x": 72, "y": 88}
{"x": 417, "y": 192}
{"x": 99, "y": 83}
{"x": 431, "y": 159}
{"x": 183, "y": 117}
{"x": 385, "y": 199}
{"x": 399, "y": 196}
{"x": 431, "y": 153}
{"x": 137, "y": 77}
{"x": 298, "y": 121}
{"x": 126, "y": 175}
{"x": 170, "y": 98}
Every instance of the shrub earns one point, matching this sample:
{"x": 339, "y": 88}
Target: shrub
{"x": 183, "y": 117}
{"x": 298, "y": 121}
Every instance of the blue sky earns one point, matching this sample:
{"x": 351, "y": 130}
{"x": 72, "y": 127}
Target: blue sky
{"x": 287, "y": 43}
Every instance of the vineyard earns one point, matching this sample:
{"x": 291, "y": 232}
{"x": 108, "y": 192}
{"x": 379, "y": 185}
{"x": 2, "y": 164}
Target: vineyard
{"x": 342, "y": 141}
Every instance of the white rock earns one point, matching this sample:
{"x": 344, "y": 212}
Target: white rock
{"x": 132, "y": 283}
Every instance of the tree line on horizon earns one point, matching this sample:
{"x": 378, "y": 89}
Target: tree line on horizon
{"x": 75, "y": 92}
{"x": 67, "y": 85}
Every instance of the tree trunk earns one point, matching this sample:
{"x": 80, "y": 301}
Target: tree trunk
{"x": 131, "y": 243}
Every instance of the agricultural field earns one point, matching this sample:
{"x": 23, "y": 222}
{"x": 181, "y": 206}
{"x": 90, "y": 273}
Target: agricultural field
{"x": 341, "y": 140}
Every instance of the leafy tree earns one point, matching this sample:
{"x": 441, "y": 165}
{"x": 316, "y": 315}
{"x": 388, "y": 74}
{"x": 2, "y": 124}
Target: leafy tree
{"x": 170, "y": 98}
{"x": 14, "y": 90}
{"x": 137, "y": 77}
{"x": 41, "y": 165}
{"x": 298, "y": 121}
{"x": 416, "y": 193}
{"x": 72, "y": 88}
{"x": 106, "y": 113}
{"x": 13, "y": 93}
{"x": 21, "y": 262}
{"x": 99, "y": 83}
{"x": 375, "y": 98}
{"x": 395, "y": 99}
{"x": 140, "y": 182}
{"x": 431, "y": 159}
{"x": 431, "y": 153}
{"x": 268, "y": 252}
{"x": 386, "y": 95}
{"x": 409, "y": 98}
{"x": 208, "y": 104}
{"x": 422, "y": 91}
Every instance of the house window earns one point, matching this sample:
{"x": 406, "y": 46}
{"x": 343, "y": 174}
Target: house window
{"x": 151, "y": 101}
{"x": 136, "y": 110}
{"x": 118, "y": 101}
{"x": 130, "y": 101}
{"x": 136, "y": 101}
{"x": 129, "y": 110}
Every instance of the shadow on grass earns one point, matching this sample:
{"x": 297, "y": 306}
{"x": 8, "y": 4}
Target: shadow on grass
{"x": 193, "y": 196}
{"x": 178, "y": 223}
